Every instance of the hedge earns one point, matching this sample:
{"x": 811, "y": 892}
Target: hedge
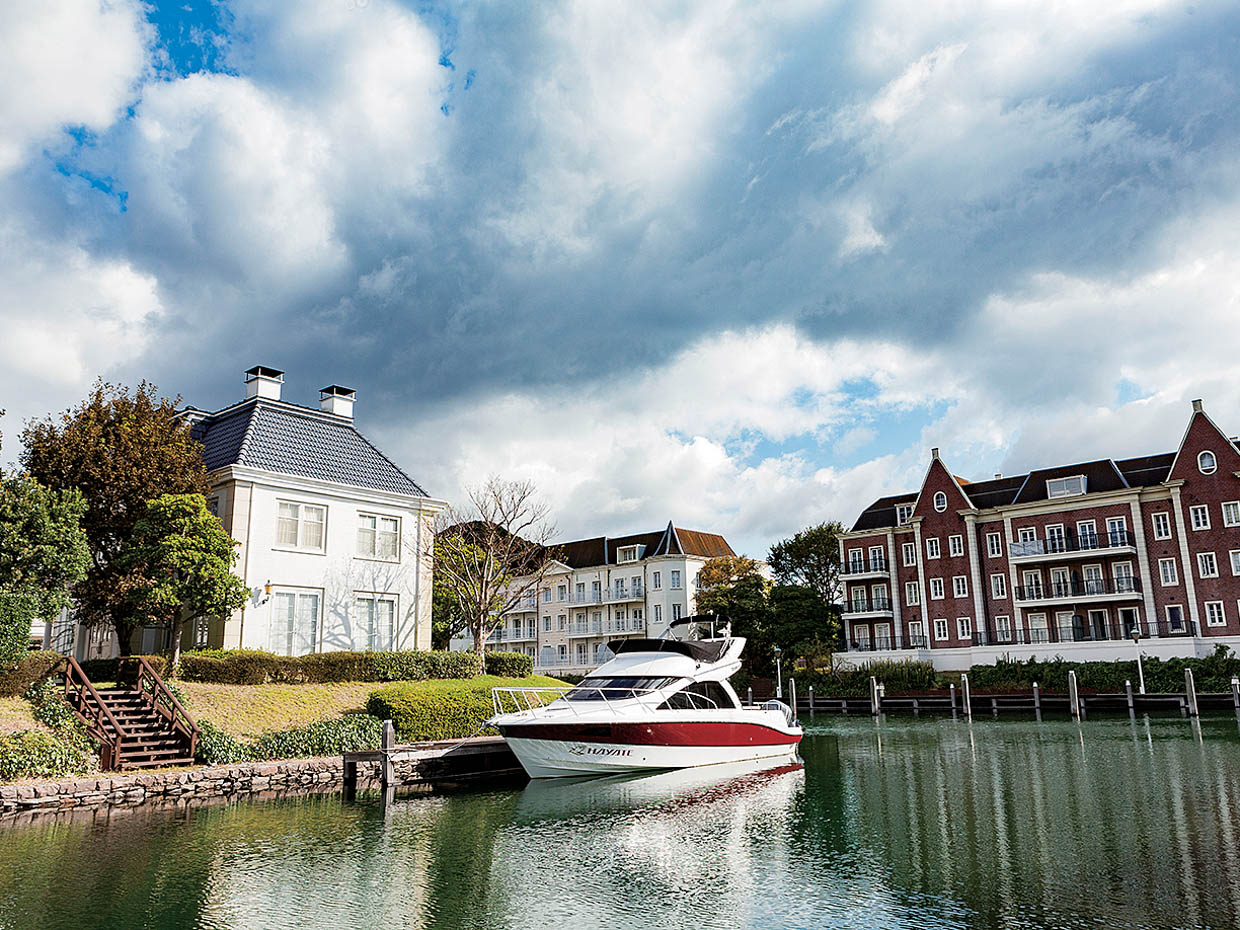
{"x": 1162, "y": 676}
{"x": 35, "y": 666}
{"x": 35, "y": 754}
{"x": 257, "y": 667}
{"x": 509, "y": 664}
{"x": 897, "y": 678}
{"x": 122, "y": 670}
{"x": 429, "y": 710}
{"x": 350, "y": 733}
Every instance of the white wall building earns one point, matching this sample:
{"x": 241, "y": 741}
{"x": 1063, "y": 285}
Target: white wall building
{"x": 602, "y": 589}
{"x": 335, "y": 539}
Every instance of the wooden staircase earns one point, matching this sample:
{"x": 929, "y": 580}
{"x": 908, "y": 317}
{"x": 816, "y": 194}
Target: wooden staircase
{"x": 140, "y": 727}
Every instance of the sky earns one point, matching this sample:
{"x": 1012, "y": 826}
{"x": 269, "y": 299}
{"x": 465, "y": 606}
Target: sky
{"x": 736, "y": 265}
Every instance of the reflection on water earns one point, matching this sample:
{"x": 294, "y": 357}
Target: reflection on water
{"x": 898, "y": 823}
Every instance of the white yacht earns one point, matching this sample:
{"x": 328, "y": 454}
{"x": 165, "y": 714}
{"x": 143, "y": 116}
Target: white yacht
{"x": 658, "y": 704}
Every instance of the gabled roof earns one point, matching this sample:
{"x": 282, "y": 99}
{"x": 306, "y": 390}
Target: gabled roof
{"x": 604, "y": 550}
{"x": 289, "y": 439}
{"x": 1100, "y": 475}
{"x": 1147, "y": 470}
{"x": 882, "y": 512}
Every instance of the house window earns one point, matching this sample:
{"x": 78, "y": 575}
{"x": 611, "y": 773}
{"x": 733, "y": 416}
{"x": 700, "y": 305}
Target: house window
{"x": 1175, "y": 618}
{"x": 563, "y": 652}
{"x": 932, "y": 547}
{"x": 994, "y": 545}
{"x": 955, "y": 545}
{"x": 909, "y": 551}
{"x": 294, "y": 623}
{"x": 202, "y": 633}
{"x": 376, "y": 614}
{"x": 960, "y": 586}
{"x": 677, "y": 610}
{"x": 1003, "y": 629}
{"x": 912, "y": 593}
{"x": 546, "y": 595}
{"x": 878, "y": 559}
{"x": 658, "y": 613}
{"x": 1087, "y": 534}
{"x": 656, "y": 580}
{"x": 300, "y": 526}
{"x": 940, "y": 501}
{"x": 964, "y": 627}
{"x": 675, "y": 579}
{"x": 628, "y": 554}
{"x": 1207, "y": 464}
{"x": 1235, "y": 561}
{"x": 561, "y": 621}
{"x": 904, "y": 513}
{"x": 940, "y": 629}
{"x": 1214, "y": 614}
{"x": 1207, "y": 565}
{"x": 547, "y": 624}
{"x": 1168, "y": 572}
{"x": 998, "y": 586}
{"x": 1162, "y": 526}
{"x": 1065, "y": 487}
{"x": 1117, "y": 531}
{"x": 637, "y": 614}
{"x": 561, "y": 592}
{"x": 378, "y": 537}
{"x": 1199, "y": 514}
{"x": 936, "y": 589}
{"x": 1231, "y": 513}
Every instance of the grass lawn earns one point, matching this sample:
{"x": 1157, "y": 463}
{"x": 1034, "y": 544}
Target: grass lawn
{"x": 248, "y": 710}
{"x": 17, "y": 714}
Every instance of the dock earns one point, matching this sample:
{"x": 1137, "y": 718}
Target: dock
{"x": 397, "y": 765}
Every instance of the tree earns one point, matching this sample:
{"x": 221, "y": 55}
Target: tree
{"x": 493, "y": 553}
{"x": 811, "y": 559}
{"x": 120, "y": 450}
{"x": 726, "y": 570}
{"x": 733, "y": 587}
{"x": 447, "y": 618}
{"x": 183, "y": 558}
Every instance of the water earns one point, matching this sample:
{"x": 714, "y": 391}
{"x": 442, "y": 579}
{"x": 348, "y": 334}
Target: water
{"x": 905, "y": 823}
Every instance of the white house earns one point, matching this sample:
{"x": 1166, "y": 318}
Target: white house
{"x": 334, "y": 538}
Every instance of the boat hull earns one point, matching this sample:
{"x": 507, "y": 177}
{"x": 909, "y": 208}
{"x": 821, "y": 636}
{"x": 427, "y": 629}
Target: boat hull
{"x": 557, "y": 750}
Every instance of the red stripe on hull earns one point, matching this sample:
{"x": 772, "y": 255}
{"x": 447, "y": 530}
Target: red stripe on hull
{"x": 689, "y": 733}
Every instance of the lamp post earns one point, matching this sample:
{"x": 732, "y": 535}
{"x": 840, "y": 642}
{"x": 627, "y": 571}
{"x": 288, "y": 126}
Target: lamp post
{"x": 779, "y": 675}
{"x": 1136, "y": 638}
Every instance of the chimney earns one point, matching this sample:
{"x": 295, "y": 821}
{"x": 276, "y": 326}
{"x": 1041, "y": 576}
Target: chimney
{"x": 263, "y": 382}
{"x": 998, "y": 474}
{"x": 338, "y": 400}
{"x": 1197, "y": 406}
{"x": 934, "y": 453}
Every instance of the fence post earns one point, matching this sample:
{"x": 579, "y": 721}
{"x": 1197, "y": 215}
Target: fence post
{"x": 874, "y": 701}
{"x": 1235, "y": 692}
{"x": 387, "y": 769}
{"x": 1074, "y": 697}
{"x": 952, "y": 689}
{"x": 1128, "y": 690}
{"x": 1190, "y": 692}
{"x": 792, "y": 693}
{"x": 965, "y": 696}
{"x": 1037, "y": 701}
{"x": 811, "y": 700}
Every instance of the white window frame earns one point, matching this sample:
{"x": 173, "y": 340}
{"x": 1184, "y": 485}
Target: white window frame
{"x": 908, "y": 552}
{"x": 1167, "y": 608}
{"x": 964, "y": 628}
{"x": 656, "y": 581}
{"x": 940, "y": 629}
{"x": 994, "y": 545}
{"x": 677, "y": 611}
{"x": 1234, "y": 557}
{"x": 955, "y": 545}
{"x": 675, "y": 579}
{"x": 933, "y": 549}
{"x": 281, "y": 640}
{"x": 1232, "y": 518}
{"x": 376, "y": 640}
{"x": 1222, "y": 614}
{"x": 936, "y": 589}
{"x": 377, "y": 535}
{"x": 1168, "y": 579}
{"x": 1062, "y": 487}
{"x": 1161, "y": 524}
{"x": 1201, "y": 462}
{"x": 1003, "y": 629}
{"x": 998, "y": 586}
{"x": 940, "y": 501}
{"x": 301, "y": 524}
{"x": 1207, "y": 565}
{"x": 904, "y": 513}
{"x": 547, "y": 623}
{"x": 912, "y": 593}
{"x": 960, "y": 586}
{"x": 878, "y": 557}
{"x": 658, "y": 613}
{"x": 1201, "y": 511}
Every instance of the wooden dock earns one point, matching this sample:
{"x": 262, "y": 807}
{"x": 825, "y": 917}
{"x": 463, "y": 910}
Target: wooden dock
{"x": 395, "y": 765}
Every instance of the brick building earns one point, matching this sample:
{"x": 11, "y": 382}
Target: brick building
{"x": 1063, "y": 561}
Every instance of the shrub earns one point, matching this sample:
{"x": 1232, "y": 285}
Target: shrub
{"x": 509, "y": 664}
{"x": 433, "y": 710}
{"x": 897, "y": 678}
{"x": 256, "y": 667}
{"x": 122, "y": 670}
{"x": 51, "y": 709}
{"x": 36, "y": 666}
{"x": 17, "y": 611}
{"x": 349, "y": 733}
{"x": 1211, "y": 674}
{"x": 33, "y": 754}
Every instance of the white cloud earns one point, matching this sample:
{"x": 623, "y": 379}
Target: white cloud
{"x": 73, "y": 62}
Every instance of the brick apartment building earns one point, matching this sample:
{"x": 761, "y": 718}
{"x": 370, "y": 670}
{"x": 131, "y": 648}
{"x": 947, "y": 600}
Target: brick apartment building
{"x": 1063, "y": 561}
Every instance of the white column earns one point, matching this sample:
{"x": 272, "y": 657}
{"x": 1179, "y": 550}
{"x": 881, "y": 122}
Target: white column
{"x": 893, "y": 585}
{"x": 923, "y": 594}
{"x": 975, "y": 569}
{"x": 1143, "y": 562}
{"x": 1018, "y": 624}
{"x": 1190, "y": 588}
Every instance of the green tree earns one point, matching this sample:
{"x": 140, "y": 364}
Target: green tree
{"x": 811, "y": 559}
{"x": 183, "y": 557}
{"x": 734, "y": 587}
{"x": 447, "y": 618}
{"x": 120, "y": 449}
{"x": 800, "y": 622}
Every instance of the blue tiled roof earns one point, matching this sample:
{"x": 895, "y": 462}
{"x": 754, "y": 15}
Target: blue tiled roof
{"x": 292, "y": 440}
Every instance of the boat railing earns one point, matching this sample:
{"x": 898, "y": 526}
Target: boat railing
{"x": 525, "y": 701}
{"x": 787, "y": 711}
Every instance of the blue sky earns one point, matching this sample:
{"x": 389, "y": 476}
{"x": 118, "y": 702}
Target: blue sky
{"x": 737, "y": 265}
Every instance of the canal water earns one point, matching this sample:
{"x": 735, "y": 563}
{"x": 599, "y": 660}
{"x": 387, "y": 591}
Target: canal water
{"x": 899, "y": 823}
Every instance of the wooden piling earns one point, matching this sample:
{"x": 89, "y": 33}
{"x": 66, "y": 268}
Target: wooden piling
{"x": 792, "y": 693}
{"x": 1128, "y": 689}
{"x": 811, "y": 700}
{"x": 1190, "y": 692}
{"x": 751, "y": 695}
{"x": 965, "y": 696}
{"x": 952, "y": 689}
{"x": 1074, "y": 697}
{"x": 387, "y": 744}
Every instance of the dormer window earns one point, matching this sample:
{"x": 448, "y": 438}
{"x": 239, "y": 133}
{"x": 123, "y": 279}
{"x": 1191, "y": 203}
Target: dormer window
{"x": 1207, "y": 464}
{"x": 628, "y": 554}
{"x": 904, "y": 512}
{"x": 1065, "y": 487}
{"x": 940, "y": 501}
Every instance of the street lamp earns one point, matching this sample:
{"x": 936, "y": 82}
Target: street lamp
{"x": 1136, "y": 638}
{"x": 779, "y": 675}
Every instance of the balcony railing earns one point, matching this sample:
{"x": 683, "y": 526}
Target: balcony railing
{"x": 867, "y": 605}
{"x": 865, "y": 566}
{"x": 1069, "y": 543}
{"x": 887, "y": 643}
{"x": 1078, "y": 587}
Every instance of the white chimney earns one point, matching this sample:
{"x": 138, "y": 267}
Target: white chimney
{"x": 338, "y": 400}
{"x": 934, "y": 453}
{"x": 1197, "y": 406}
{"x": 263, "y": 382}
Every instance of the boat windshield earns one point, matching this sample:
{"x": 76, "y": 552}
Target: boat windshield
{"x": 615, "y": 689}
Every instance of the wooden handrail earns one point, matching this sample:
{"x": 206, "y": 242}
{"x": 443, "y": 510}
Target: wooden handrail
{"x": 77, "y": 683}
{"x": 85, "y": 682}
{"x": 160, "y": 688}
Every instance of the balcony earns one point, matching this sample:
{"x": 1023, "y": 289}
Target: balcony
{"x": 858, "y": 608}
{"x": 865, "y": 568}
{"x": 888, "y": 644}
{"x": 1078, "y": 591}
{"x": 1070, "y": 546}
{"x": 1084, "y": 629}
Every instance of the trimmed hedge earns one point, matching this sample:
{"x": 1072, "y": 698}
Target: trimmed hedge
{"x": 897, "y": 678}
{"x": 350, "y": 733}
{"x": 35, "y": 666}
{"x": 257, "y": 667}
{"x": 509, "y": 664}
{"x": 429, "y": 710}
{"x": 122, "y": 670}
{"x": 1162, "y": 676}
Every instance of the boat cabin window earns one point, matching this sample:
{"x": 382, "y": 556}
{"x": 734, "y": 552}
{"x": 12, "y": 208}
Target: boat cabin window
{"x": 701, "y": 695}
{"x": 615, "y": 689}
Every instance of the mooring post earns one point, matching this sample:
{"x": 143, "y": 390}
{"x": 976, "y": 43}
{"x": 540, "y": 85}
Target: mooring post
{"x": 965, "y": 696}
{"x": 1074, "y": 696}
{"x": 874, "y": 699}
{"x": 994, "y": 707}
{"x": 811, "y": 700}
{"x": 751, "y": 695}
{"x": 1190, "y": 692}
{"x": 1128, "y": 689}
{"x": 387, "y": 768}
{"x": 952, "y": 689}
{"x": 792, "y": 693}
{"x": 1235, "y": 692}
